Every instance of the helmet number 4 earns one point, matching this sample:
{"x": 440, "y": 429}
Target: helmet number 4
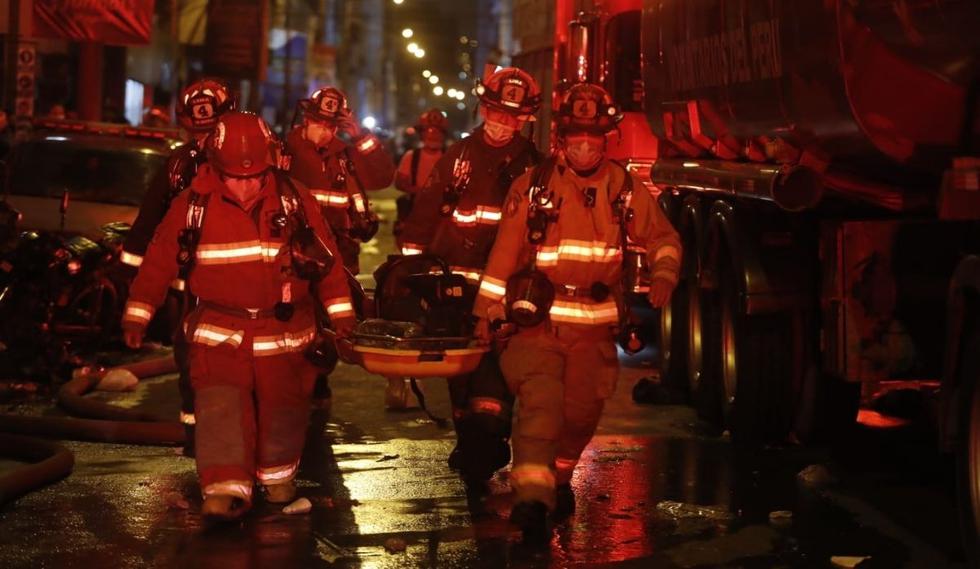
{"x": 513, "y": 94}
{"x": 584, "y": 109}
{"x": 204, "y": 111}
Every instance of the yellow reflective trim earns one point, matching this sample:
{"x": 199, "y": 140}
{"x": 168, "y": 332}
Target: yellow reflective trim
{"x": 284, "y": 343}
{"x": 238, "y": 488}
{"x": 581, "y": 313}
{"x": 277, "y": 473}
{"x": 211, "y": 335}
{"x": 130, "y": 259}
{"x": 138, "y": 311}
{"x": 489, "y": 287}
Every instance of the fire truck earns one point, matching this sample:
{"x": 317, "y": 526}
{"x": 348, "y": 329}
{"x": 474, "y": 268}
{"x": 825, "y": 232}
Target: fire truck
{"x": 821, "y": 161}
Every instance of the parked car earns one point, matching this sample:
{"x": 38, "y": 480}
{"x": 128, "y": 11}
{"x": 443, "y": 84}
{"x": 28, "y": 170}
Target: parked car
{"x": 76, "y": 176}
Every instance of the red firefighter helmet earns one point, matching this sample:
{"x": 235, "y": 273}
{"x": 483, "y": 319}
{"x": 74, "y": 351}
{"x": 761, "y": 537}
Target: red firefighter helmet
{"x": 511, "y": 90}
{"x": 586, "y": 108}
{"x": 432, "y": 118}
{"x": 326, "y": 104}
{"x": 201, "y": 104}
{"x": 242, "y": 145}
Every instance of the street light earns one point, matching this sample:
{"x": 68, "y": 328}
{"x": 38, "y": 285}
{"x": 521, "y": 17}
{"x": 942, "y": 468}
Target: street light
{"x": 426, "y": 73}
{"x": 412, "y": 47}
{"x": 433, "y": 79}
{"x": 407, "y": 33}
{"x": 398, "y": 2}
{"x": 420, "y": 53}
{"x": 438, "y": 90}
{"x": 451, "y": 92}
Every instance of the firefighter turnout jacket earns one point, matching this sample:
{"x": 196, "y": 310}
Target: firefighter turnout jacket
{"x": 478, "y": 176}
{"x": 337, "y": 176}
{"x": 583, "y": 246}
{"x": 241, "y": 262}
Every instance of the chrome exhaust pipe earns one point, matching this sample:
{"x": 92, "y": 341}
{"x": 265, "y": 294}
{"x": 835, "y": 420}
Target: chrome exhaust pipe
{"x": 793, "y": 188}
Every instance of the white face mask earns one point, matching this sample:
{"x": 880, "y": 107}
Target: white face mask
{"x": 584, "y": 153}
{"x": 499, "y": 133}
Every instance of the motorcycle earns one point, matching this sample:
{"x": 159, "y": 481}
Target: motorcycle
{"x": 58, "y": 298}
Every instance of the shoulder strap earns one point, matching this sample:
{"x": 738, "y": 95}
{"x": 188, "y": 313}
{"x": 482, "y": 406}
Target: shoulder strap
{"x": 289, "y": 196}
{"x": 190, "y": 236}
{"x": 196, "y": 207}
{"x": 540, "y": 215}
{"x": 621, "y": 204}
{"x": 416, "y": 158}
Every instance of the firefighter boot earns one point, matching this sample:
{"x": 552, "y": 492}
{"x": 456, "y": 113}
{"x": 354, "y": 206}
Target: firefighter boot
{"x": 482, "y": 456}
{"x": 564, "y": 502}
{"x": 455, "y": 459}
{"x": 280, "y": 493}
{"x": 223, "y": 507}
{"x": 322, "y": 395}
{"x": 532, "y": 518}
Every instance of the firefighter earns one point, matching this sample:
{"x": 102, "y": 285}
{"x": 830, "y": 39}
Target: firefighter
{"x": 250, "y": 241}
{"x": 555, "y": 270}
{"x": 199, "y": 107}
{"x": 455, "y": 217}
{"x": 415, "y": 166}
{"x": 339, "y": 175}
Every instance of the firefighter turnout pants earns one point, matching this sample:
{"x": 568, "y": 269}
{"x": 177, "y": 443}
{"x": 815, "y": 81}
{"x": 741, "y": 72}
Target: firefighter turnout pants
{"x": 562, "y": 376}
{"x": 253, "y": 386}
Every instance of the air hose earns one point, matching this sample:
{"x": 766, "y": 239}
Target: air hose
{"x": 101, "y": 422}
{"x": 49, "y": 462}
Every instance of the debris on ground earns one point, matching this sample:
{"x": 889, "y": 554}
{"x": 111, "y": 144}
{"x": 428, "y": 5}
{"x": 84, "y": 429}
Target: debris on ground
{"x": 847, "y": 561}
{"x": 816, "y": 475}
{"x": 388, "y": 457}
{"x": 781, "y": 518}
{"x": 395, "y": 545}
{"x": 681, "y": 510}
{"x": 118, "y": 380}
{"x": 300, "y": 506}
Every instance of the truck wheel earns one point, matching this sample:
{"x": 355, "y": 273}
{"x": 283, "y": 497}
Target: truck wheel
{"x": 751, "y": 359}
{"x": 968, "y": 451}
{"x": 673, "y": 341}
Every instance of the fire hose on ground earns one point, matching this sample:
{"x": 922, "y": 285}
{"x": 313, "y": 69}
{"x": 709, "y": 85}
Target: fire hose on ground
{"x": 90, "y": 421}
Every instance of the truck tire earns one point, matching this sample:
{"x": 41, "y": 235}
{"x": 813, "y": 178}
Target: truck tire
{"x": 673, "y": 342}
{"x": 968, "y": 448}
{"x": 749, "y": 362}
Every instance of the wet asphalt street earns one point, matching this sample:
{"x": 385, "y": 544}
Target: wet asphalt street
{"x": 383, "y": 497}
